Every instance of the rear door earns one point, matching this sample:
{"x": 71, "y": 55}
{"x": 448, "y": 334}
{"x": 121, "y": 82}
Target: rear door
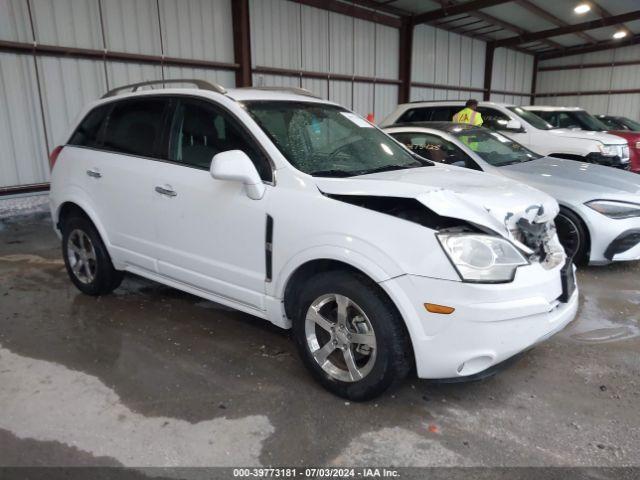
{"x": 130, "y": 147}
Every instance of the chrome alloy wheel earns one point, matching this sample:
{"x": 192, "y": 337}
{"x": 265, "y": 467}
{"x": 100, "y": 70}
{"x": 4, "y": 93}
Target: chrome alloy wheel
{"x": 82, "y": 256}
{"x": 340, "y": 337}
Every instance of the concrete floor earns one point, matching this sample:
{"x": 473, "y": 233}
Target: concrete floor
{"x": 153, "y": 376}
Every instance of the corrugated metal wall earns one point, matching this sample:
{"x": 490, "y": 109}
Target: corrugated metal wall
{"x": 512, "y": 73}
{"x": 605, "y": 79}
{"x": 446, "y": 59}
{"x": 348, "y": 60}
{"x": 197, "y": 29}
{"x": 297, "y": 37}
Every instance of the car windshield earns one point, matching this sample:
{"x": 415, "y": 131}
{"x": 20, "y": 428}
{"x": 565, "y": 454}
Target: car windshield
{"x": 612, "y": 123}
{"x": 631, "y": 124}
{"x": 587, "y": 121}
{"x": 494, "y": 148}
{"x": 328, "y": 141}
{"x": 531, "y": 118}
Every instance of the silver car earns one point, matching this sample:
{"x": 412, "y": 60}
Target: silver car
{"x": 599, "y": 220}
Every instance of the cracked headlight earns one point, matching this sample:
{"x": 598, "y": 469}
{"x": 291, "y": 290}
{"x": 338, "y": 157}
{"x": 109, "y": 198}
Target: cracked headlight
{"x": 615, "y": 209}
{"x": 482, "y": 258}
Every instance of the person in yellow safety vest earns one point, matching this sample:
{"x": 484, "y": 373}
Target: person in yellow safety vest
{"x": 469, "y": 114}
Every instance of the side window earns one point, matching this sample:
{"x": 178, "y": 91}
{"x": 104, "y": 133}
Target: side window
{"x": 415, "y": 115}
{"x": 89, "y": 132}
{"x": 444, "y": 114}
{"x": 550, "y": 117}
{"x": 493, "y": 118}
{"x": 200, "y": 131}
{"x": 135, "y": 127}
{"x": 435, "y": 148}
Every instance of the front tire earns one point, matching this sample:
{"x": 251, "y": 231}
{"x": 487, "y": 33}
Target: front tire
{"x": 86, "y": 258}
{"x": 350, "y": 336}
{"x": 573, "y": 235}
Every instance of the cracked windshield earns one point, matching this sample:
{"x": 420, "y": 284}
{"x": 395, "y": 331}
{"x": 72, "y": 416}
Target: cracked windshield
{"x": 327, "y": 141}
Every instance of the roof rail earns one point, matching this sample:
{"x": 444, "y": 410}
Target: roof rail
{"x": 201, "y": 84}
{"x": 298, "y": 90}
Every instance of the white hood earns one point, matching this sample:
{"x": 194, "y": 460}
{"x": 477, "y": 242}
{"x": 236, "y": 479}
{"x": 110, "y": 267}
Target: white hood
{"x": 481, "y": 198}
{"x": 602, "y": 137}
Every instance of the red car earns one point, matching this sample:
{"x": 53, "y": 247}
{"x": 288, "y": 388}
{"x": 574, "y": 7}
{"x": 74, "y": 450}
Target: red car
{"x": 629, "y": 130}
{"x": 633, "y": 138}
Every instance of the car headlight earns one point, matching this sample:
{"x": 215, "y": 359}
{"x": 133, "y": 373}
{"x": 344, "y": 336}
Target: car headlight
{"x": 615, "y": 209}
{"x": 608, "y": 150}
{"x": 637, "y": 145}
{"x": 482, "y": 258}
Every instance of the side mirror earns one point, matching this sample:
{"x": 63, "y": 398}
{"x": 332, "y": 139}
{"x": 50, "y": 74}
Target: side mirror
{"x": 236, "y": 166}
{"x": 514, "y": 126}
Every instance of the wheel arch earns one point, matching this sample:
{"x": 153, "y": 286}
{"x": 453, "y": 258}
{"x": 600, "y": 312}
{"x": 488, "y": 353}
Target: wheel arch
{"x": 75, "y": 205}
{"x": 585, "y": 226}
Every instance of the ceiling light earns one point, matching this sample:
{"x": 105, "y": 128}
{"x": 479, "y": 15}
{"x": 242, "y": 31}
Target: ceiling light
{"x": 582, "y": 8}
{"x": 620, "y": 34}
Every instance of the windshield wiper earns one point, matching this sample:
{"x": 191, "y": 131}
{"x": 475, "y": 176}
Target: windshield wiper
{"x": 388, "y": 168}
{"x": 332, "y": 173}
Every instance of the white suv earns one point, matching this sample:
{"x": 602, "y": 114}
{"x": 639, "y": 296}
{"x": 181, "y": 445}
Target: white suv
{"x": 526, "y": 128}
{"x": 300, "y": 212}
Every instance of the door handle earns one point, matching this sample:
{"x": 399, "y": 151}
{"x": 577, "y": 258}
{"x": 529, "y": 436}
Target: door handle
{"x": 166, "y": 190}
{"x": 94, "y": 173}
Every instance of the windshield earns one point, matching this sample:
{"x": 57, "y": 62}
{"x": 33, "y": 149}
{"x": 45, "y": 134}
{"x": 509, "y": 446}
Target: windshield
{"x": 631, "y": 124}
{"x": 612, "y": 123}
{"x": 587, "y": 121}
{"x": 493, "y": 148}
{"x": 531, "y": 118}
{"x": 328, "y": 141}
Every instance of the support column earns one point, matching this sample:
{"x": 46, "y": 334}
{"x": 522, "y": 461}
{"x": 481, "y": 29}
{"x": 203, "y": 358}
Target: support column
{"x": 534, "y": 80}
{"x": 404, "y": 55}
{"x": 241, "y": 41}
{"x": 488, "y": 70}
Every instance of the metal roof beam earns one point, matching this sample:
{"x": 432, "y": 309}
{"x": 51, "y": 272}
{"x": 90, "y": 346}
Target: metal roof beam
{"x": 606, "y": 45}
{"x": 457, "y": 9}
{"x": 542, "y": 13}
{"x": 578, "y": 27}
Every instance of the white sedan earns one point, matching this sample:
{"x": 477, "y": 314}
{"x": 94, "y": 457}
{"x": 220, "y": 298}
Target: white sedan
{"x": 599, "y": 220}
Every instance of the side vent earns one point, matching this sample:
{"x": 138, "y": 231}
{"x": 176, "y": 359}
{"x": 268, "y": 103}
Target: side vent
{"x": 268, "y": 248}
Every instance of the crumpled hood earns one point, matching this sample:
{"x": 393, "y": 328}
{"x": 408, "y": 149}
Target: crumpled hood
{"x": 548, "y": 173}
{"x": 605, "y": 138}
{"x": 481, "y": 198}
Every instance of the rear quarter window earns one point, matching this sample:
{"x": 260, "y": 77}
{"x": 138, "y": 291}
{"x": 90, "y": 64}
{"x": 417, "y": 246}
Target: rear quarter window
{"x": 90, "y": 130}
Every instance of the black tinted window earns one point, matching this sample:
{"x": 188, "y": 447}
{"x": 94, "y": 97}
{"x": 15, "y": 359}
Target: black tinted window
{"x": 415, "y": 115}
{"x": 135, "y": 127}
{"x": 200, "y": 131}
{"x": 89, "y": 132}
{"x": 444, "y": 114}
{"x": 493, "y": 118}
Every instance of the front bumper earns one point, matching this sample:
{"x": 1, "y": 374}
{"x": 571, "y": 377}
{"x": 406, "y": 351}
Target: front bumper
{"x": 616, "y": 161}
{"x": 611, "y": 240}
{"x": 490, "y": 324}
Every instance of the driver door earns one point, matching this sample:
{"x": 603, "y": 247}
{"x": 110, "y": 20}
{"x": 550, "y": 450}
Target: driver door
{"x": 211, "y": 235}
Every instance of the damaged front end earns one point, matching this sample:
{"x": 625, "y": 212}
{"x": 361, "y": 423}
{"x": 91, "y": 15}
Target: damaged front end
{"x": 537, "y": 236}
{"x": 485, "y": 245}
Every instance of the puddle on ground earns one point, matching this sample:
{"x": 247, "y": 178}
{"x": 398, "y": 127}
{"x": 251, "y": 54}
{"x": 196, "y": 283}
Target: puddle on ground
{"x": 602, "y": 319}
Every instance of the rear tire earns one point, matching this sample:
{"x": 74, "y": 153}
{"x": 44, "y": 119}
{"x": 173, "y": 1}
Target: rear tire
{"x": 86, "y": 258}
{"x": 337, "y": 311}
{"x": 573, "y": 235}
